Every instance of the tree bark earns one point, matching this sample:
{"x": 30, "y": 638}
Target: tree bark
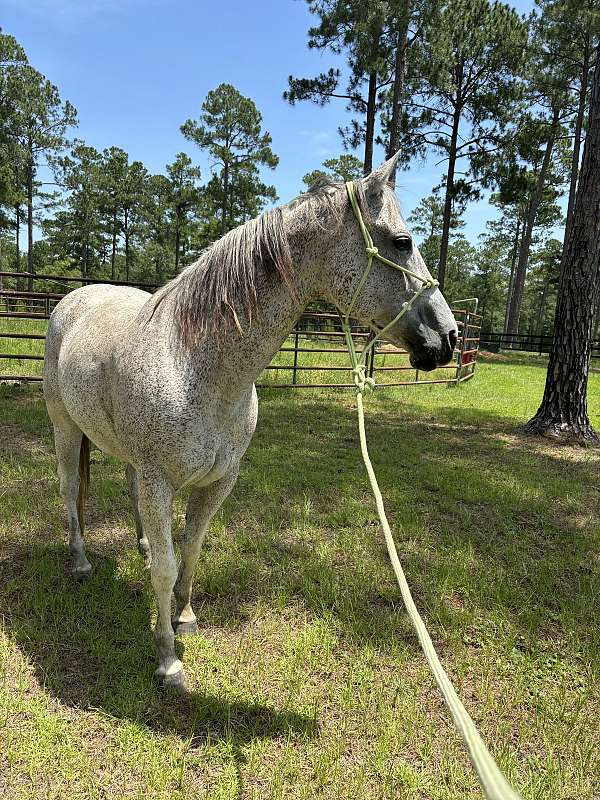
{"x": 370, "y": 123}
{"x": 398, "y": 90}
{"x": 441, "y": 276}
{"x": 514, "y": 311}
{"x": 563, "y": 411}
{"x": 583, "y": 85}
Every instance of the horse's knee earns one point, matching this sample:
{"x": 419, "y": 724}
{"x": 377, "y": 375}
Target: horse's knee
{"x": 163, "y": 577}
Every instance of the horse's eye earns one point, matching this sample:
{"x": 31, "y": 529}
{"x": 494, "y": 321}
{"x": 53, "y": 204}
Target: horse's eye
{"x": 403, "y": 243}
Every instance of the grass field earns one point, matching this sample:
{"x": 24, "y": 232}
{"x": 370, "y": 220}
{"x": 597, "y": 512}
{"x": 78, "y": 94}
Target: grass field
{"x": 306, "y": 680}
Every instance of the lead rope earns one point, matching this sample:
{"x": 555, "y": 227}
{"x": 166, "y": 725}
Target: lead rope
{"x": 494, "y": 784}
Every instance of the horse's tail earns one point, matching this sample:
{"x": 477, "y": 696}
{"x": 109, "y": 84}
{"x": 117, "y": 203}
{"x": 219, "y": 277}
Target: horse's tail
{"x": 84, "y": 477}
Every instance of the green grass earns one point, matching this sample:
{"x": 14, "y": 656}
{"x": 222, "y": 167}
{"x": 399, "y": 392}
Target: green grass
{"x": 21, "y": 347}
{"x": 306, "y": 680}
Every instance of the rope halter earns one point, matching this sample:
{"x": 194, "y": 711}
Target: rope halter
{"x": 362, "y": 382}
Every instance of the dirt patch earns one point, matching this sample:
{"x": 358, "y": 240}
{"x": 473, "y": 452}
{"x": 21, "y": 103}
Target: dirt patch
{"x": 14, "y": 439}
{"x": 486, "y": 355}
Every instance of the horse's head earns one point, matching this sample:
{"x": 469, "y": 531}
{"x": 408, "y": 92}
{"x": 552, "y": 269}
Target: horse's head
{"x": 428, "y": 329}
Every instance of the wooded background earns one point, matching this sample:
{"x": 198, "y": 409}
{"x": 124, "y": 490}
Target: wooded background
{"x": 501, "y": 99}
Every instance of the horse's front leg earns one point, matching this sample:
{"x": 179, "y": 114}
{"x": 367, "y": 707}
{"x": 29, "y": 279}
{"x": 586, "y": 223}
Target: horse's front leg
{"x": 202, "y": 505}
{"x": 155, "y": 503}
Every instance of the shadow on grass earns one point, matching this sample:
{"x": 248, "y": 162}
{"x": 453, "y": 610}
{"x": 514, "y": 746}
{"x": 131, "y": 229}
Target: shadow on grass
{"x": 493, "y": 527}
{"x": 90, "y": 646}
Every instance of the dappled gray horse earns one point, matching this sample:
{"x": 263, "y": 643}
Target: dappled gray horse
{"x": 165, "y": 382}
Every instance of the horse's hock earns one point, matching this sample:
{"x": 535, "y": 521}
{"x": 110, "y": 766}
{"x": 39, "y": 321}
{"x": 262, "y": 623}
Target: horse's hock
{"x": 313, "y": 356}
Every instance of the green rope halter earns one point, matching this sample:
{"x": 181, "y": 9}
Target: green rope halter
{"x": 494, "y": 784}
{"x": 359, "y": 360}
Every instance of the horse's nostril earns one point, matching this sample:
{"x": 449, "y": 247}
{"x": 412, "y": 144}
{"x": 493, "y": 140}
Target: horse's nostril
{"x": 452, "y": 338}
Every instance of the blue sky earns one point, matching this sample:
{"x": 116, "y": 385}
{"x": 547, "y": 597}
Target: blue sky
{"x": 137, "y": 69}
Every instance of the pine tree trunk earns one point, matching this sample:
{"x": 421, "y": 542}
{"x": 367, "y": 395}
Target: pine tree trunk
{"x": 398, "y": 90}
{"x": 126, "y": 232}
{"x": 441, "y": 276}
{"x": 583, "y": 85}
{"x": 225, "y": 198}
{"x": 177, "y": 240}
{"x": 113, "y": 254}
{"x": 30, "y": 264}
{"x": 514, "y": 310}
{"x": 563, "y": 411}
{"x": 370, "y": 123}
{"x": 18, "y": 243}
{"x": 511, "y": 280}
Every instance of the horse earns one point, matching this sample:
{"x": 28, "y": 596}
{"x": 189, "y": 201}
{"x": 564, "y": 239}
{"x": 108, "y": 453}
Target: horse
{"x": 165, "y": 382}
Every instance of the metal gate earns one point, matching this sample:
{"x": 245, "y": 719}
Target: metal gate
{"x": 312, "y": 357}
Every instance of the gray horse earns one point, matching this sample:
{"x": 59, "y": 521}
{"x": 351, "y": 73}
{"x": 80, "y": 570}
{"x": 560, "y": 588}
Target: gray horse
{"x": 165, "y": 382}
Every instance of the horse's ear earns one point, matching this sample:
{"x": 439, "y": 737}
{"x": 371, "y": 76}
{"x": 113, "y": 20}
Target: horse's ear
{"x": 381, "y": 176}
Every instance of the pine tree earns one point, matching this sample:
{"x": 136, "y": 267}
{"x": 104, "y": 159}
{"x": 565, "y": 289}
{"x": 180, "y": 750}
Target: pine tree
{"x": 112, "y": 187}
{"x": 77, "y": 231}
{"x": 346, "y": 167}
{"x": 230, "y": 130}
{"x": 12, "y": 59}
{"x": 569, "y": 31}
{"x": 184, "y": 196}
{"x": 563, "y": 410}
{"x": 41, "y": 122}
{"x": 469, "y": 65}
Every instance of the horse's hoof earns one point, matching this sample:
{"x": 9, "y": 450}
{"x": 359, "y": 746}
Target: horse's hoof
{"x": 82, "y": 574}
{"x": 185, "y": 628}
{"x": 174, "y": 683}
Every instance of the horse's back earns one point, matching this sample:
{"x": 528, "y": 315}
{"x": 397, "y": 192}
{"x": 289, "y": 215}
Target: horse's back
{"x": 83, "y": 331}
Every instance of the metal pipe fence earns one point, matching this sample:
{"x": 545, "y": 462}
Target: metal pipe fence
{"x": 310, "y": 358}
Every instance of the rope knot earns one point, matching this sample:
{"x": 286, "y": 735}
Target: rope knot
{"x": 372, "y": 251}
{"x": 363, "y": 383}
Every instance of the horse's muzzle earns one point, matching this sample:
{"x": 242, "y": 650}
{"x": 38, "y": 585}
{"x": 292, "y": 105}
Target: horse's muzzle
{"x": 427, "y": 357}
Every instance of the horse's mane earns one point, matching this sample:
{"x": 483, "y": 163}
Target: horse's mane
{"x": 218, "y": 292}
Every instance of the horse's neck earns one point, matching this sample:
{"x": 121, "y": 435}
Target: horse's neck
{"x": 241, "y": 358}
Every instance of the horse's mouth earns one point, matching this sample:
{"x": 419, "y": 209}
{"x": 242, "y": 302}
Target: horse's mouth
{"x": 424, "y": 357}
{"x": 425, "y": 360}
{"x": 428, "y": 358}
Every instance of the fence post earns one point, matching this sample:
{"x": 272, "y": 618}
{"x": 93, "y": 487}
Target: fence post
{"x": 294, "y": 371}
{"x": 372, "y": 357}
{"x": 463, "y": 344}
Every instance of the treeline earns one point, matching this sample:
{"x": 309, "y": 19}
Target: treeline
{"x": 498, "y": 99}
{"x": 501, "y": 100}
{"x": 102, "y": 214}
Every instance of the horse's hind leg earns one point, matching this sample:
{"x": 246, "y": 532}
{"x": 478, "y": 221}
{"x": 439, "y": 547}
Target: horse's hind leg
{"x": 142, "y": 539}
{"x": 202, "y": 505}
{"x": 68, "y": 444}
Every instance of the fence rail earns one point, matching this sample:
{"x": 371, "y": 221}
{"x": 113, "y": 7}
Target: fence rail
{"x": 525, "y": 342}
{"x": 311, "y": 357}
